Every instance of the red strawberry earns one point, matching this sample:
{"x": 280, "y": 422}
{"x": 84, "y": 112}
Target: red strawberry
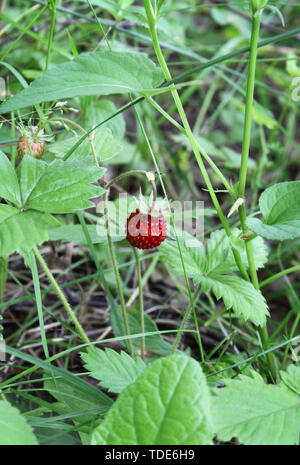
{"x": 145, "y": 231}
{"x": 30, "y": 147}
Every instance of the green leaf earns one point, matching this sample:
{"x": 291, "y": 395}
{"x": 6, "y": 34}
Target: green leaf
{"x": 14, "y": 430}
{"x": 220, "y": 251}
{"x": 238, "y": 294}
{"x": 20, "y": 231}
{"x": 219, "y": 257}
{"x": 9, "y": 187}
{"x": 64, "y": 187}
{"x": 115, "y": 370}
{"x": 99, "y": 110}
{"x": 194, "y": 258}
{"x": 279, "y": 205}
{"x": 291, "y": 377}
{"x": 106, "y": 145}
{"x": 167, "y": 405}
{"x": 154, "y": 343}
{"x": 93, "y": 73}
{"x": 29, "y": 173}
{"x": 256, "y": 413}
{"x": 211, "y": 271}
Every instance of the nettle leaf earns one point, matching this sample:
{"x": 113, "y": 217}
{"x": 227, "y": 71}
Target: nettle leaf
{"x": 9, "y": 186}
{"x": 115, "y": 370}
{"x": 279, "y": 205}
{"x": 14, "y": 429}
{"x": 169, "y": 404}
{"x": 20, "y": 231}
{"x": 291, "y": 378}
{"x": 65, "y": 187}
{"x": 211, "y": 269}
{"x": 238, "y": 294}
{"x": 93, "y": 73}
{"x": 256, "y": 413}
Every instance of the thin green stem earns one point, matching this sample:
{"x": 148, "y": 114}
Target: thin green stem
{"x": 243, "y": 170}
{"x": 184, "y": 322}
{"x": 141, "y": 300}
{"x": 164, "y": 66}
{"x": 117, "y": 276}
{"x": 60, "y": 295}
{"x": 100, "y": 25}
{"x": 38, "y": 299}
{"x": 41, "y": 11}
{"x": 175, "y": 232}
{"x": 204, "y": 153}
{"x": 249, "y": 104}
{"x": 276, "y": 276}
{"x": 51, "y": 31}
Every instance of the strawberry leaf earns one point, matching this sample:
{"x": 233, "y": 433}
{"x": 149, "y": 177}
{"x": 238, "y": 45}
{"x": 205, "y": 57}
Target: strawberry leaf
{"x": 64, "y": 187}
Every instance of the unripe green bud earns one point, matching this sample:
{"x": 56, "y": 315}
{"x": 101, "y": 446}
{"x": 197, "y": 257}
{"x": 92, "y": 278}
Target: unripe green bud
{"x": 257, "y": 5}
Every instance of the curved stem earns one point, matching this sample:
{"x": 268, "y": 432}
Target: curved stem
{"x": 125, "y": 175}
{"x": 276, "y": 276}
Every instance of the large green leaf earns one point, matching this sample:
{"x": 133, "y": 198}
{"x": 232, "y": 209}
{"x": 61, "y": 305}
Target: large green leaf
{"x": 238, "y": 294}
{"x": 9, "y": 187}
{"x": 256, "y": 413}
{"x": 14, "y": 430}
{"x": 279, "y": 205}
{"x": 212, "y": 270}
{"x": 115, "y": 370}
{"x": 65, "y": 187}
{"x": 20, "y": 231}
{"x": 168, "y": 404}
{"x": 93, "y": 73}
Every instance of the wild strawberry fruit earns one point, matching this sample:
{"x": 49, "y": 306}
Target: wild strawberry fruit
{"x": 31, "y": 143}
{"x": 145, "y": 231}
